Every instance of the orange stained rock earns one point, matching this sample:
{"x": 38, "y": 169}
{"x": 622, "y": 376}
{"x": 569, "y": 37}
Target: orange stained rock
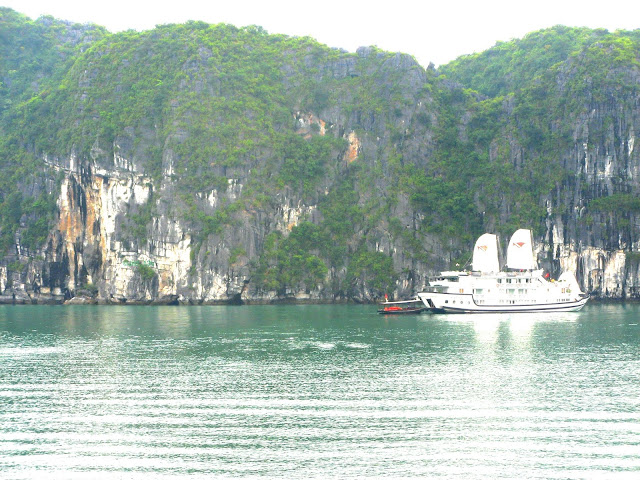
{"x": 354, "y": 148}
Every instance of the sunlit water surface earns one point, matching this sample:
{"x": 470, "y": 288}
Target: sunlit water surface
{"x": 317, "y": 392}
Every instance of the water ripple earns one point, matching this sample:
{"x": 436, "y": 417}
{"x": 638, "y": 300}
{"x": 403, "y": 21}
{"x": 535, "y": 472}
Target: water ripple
{"x": 326, "y": 393}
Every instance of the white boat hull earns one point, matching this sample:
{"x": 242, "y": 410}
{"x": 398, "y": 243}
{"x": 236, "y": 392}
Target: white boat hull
{"x": 460, "y": 303}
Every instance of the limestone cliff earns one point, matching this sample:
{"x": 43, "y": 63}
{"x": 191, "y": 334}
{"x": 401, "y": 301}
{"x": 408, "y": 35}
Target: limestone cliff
{"x": 205, "y": 164}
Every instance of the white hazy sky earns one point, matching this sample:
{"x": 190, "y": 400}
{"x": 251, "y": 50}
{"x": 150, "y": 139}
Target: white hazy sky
{"x": 431, "y": 31}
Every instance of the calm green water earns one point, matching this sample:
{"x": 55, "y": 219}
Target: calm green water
{"x": 317, "y": 392}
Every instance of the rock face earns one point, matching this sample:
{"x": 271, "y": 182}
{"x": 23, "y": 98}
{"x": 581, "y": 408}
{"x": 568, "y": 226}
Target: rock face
{"x": 128, "y": 228}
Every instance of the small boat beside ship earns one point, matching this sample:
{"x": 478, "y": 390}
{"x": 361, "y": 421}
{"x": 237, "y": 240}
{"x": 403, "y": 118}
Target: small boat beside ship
{"x": 402, "y": 307}
{"x": 489, "y": 288}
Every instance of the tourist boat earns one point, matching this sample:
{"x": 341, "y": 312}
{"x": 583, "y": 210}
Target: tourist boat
{"x": 488, "y": 288}
{"x": 402, "y": 307}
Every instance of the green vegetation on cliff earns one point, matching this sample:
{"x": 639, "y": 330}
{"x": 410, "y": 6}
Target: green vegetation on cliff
{"x": 539, "y": 96}
{"x": 231, "y": 126}
{"x": 34, "y": 58}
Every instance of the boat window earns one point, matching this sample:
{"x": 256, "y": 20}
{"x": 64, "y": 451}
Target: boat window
{"x": 436, "y": 289}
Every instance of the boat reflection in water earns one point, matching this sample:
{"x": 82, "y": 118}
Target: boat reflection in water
{"x": 519, "y": 287}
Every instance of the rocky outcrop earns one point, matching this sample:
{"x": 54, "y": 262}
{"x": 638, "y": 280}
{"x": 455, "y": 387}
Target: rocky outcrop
{"x": 128, "y": 230}
{"x": 94, "y": 247}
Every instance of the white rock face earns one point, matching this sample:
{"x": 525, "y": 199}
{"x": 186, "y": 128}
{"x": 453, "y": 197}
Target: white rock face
{"x": 604, "y": 271}
{"x": 293, "y": 215}
{"x": 92, "y": 218}
{"x": 92, "y": 228}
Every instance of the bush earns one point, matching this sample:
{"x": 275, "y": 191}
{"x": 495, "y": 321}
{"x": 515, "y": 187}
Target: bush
{"x": 145, "y": 271}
